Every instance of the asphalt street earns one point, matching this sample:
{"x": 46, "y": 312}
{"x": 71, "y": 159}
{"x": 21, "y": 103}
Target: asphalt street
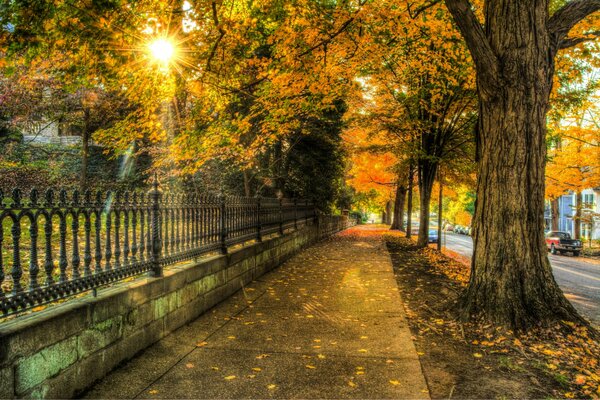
{"x": 578, "y": 277}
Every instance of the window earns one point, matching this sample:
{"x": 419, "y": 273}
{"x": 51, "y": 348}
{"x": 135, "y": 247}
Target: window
{"x": 588, "y": 200}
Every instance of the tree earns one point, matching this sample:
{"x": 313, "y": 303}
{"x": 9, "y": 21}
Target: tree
{"x": 514, "y": 56}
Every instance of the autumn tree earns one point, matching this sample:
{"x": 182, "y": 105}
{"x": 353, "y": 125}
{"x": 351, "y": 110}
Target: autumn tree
{"x": 514, "y": 53}
{"x": 574, "y": 158}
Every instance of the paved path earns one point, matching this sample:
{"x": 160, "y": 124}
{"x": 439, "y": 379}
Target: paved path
{"x": 327, "y": 324}
{"x": 578, "y": 277}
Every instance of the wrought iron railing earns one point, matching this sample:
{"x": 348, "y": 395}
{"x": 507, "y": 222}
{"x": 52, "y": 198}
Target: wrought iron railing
{"x": 62, "y": 244}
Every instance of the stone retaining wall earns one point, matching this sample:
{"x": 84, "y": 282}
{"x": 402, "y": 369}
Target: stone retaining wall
{"x": 61, "y": 351}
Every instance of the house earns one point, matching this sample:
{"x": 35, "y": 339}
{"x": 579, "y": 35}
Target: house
{"x": 43, "y": 132}
{"x": 590, "y": 224}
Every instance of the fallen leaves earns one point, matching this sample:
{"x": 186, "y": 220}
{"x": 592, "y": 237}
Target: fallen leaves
{"x": 230, "y": 377}
{"x": 565, "y": 355}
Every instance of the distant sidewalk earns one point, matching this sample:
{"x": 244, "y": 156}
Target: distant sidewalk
{"x": 329, "y": 323}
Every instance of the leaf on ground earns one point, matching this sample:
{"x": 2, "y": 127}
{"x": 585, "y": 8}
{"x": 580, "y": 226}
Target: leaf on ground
{"x": 362, "y": 350}
{"x": 394, "y": 382}
{"x": 201, "y": 344}
{"x": 351, "y": 384}
{"x": 477, "y": 355}
{"x": 230, "y": 337}
{"x": 256, "y": 369}
{"x": 271, "y": 386}
{"x": 310, "y": 366}
{"x": 189, "y": 365}
{"x": 230, "y": 377}
{"x": 321, "y": 356}
{"x": 261, "y": 356}
{"x": 153, "y": 391}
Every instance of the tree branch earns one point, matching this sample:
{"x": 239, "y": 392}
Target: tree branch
{"x": 472, "y": 31}
{"x": 213, "y": 50}
{"x": 567, "y": 17}
{"x": 414, "y": 14}
{"x": 570, "y": 42}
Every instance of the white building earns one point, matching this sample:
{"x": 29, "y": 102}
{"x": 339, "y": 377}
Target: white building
{"x": 43, "y": 132}
{"x": 590, "y": 224}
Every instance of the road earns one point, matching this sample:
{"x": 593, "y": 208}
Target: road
{"x": 578, "y": 277}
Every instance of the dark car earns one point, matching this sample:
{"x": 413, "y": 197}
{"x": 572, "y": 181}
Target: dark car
{"x": 561, "y": 242}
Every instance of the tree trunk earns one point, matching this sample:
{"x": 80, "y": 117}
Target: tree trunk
{"x": 555, "y": 213}
{"x": 427, "y": 172}
{"x": 388, "y": 212}
{"x": 577, "y": 219}
{"x": 247, "y": 191}
{"x": 511, "y": 280}
{"x": 409, "y": 202}
{"x": 440, "y": 205}
{"x": 85, "y": 149}
{"x": 398, "y": 222}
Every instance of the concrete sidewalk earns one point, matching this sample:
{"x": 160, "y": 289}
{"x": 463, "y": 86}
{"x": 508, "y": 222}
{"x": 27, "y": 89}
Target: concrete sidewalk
{"x": 329, "y": 323}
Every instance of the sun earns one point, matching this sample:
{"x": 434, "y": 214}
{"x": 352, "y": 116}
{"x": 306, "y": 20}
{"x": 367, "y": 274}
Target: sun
{"x": 162, "y": 50}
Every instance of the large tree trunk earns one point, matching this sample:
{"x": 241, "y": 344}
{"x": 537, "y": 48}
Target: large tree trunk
{"x": 398, "y": 220}
{"x": 555, "y": 213}
{"x": 511, "y": 280}
{"x": 427, "y": 172}
{"x": 577, "y": 219}
{"x": 409, "y": 202}
{"x": 388, "y": 212}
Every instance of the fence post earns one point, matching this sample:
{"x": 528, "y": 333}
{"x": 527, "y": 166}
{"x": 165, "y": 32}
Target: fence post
{"x": 295, "y": 214}
{"x": 281, "y": 216}
{"x": 155, "y": 195}
{"x": 258, "y": 221}
{"x": 223, "y": 225}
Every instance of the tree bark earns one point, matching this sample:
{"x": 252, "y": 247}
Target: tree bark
{"x": 398, "y": 220}
{"x": 427, "y": 171}
{"x": 577, "y": 219}
{"x": 555, "y": 213}
{"x": 440, "y": 205}
{"x": 409, "y": 202}
{"x": 85, "y": 149}
{"x": 388, "y": 212}
{"x": 247, "y": 191}
{"x": 511, "y": 280}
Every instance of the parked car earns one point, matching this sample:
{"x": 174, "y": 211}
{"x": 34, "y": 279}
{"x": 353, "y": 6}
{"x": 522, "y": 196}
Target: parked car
{"x": 433, "y": 236}
{"x": 561, "y": 242}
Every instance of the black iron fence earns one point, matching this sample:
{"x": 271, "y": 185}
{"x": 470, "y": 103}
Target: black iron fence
{"x": 61, "y": 244}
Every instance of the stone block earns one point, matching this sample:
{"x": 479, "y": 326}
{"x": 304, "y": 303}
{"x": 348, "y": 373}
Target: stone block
{"x": 174, "y": 280}
{"x": 33, "y": 370}
{"x": 7, "y": 382}
{"x": 138, "y": 317}
{"x": 99, "y": 336}
{"x": 26, "y": 336}
{"x": 176, "y": 319}
{"x": 206, "y": 267}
